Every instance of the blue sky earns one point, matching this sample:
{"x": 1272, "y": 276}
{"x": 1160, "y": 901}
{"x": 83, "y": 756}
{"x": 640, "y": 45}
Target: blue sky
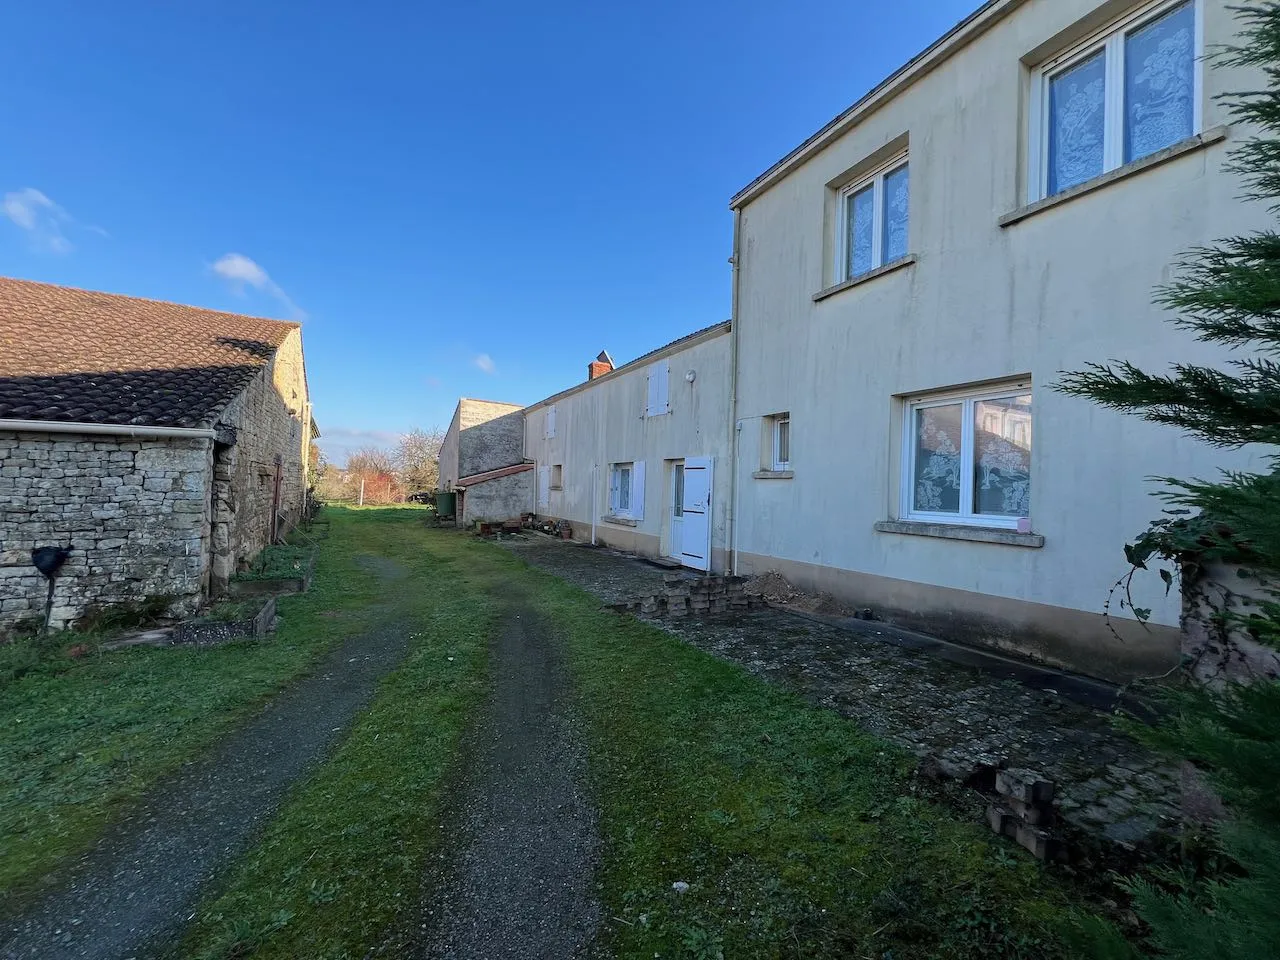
{"x": 465, "y": 199}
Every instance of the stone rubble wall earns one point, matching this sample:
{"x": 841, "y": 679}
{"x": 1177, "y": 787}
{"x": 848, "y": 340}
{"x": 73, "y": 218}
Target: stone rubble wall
{"x": 271, "y": 420}
{"x": 1217, "y": 653}
{"x": 134, "y": 513}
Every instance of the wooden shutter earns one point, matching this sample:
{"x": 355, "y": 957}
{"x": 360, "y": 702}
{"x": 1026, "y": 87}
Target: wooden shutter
{"x": 637, "y": 490}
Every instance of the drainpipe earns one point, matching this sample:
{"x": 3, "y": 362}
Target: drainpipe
{"x": 734, "y": 427}
{"x": 108, "y": 429}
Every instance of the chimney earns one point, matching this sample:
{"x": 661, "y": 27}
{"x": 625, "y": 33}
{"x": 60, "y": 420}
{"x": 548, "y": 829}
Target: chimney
{"x": 600, "y": 365}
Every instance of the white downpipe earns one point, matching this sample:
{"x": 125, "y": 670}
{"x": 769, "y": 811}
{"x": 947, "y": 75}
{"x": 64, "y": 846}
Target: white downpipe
{"x": 107, "y": 429}
{"x": 735, "y": 428}
{"x": 595, "y": 499}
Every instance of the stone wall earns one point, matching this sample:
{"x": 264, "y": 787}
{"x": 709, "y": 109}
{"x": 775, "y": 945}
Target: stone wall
{"x": 490, "y": 437}
{"x": 1218, "y": 653}
{"x": 505, "y": 498}
{"x": 134, "y": 513}
{"x": 484, "y": 435}
{"x": 264, "y": 432}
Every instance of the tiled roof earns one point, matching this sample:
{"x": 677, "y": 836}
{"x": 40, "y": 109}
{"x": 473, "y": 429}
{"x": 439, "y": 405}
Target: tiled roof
{"x": 87, "y": 357}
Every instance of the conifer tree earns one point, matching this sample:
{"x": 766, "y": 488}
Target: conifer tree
{"x": 1227, "y": 294}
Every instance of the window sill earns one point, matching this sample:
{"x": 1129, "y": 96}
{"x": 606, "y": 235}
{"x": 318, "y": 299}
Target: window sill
{"x": 867, "y": 277}
{"x": 555, "y": 488}
{"x": 960, "y": 531}
{"x": 620, "y": 521}
{"x": 773, "y": 474}
{"x": 1198, "y": 142}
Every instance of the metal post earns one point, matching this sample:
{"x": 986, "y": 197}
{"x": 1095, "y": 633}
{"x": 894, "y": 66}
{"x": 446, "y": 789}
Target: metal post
{"x": 362, "y": 491}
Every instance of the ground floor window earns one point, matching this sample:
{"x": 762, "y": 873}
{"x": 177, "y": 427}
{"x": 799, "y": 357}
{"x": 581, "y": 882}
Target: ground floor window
{"x": 557, "y": 476}
{"x": 626, "y": 490}
{"x": 967, "y": 457}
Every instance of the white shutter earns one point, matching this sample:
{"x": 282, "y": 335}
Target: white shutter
{"x": 656, "y": 395}
{"x": 637, "y": 490}
{"x": 613, "y": 489}
{"x": 551, "y": 421}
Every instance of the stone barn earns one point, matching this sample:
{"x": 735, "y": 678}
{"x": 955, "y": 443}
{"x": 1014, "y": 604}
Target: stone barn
{"x": 482, "y": 460}
{"x": 163, "y": 445}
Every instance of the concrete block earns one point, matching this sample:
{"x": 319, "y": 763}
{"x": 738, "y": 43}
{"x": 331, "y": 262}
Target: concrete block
{"x": 1036, "y": 841}
{"x": 1025, "y": 785}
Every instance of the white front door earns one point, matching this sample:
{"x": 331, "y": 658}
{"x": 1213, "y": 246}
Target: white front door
{"x": 695, "y": 524}
{"x": 675, "y": 539}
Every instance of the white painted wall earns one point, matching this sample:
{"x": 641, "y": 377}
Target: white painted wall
{"x": 603, "y": 422}
{"x": 1067, "y": 286}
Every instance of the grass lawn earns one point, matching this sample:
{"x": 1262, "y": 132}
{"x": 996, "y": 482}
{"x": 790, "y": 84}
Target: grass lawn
{"x": 84, "y": 738}
{"x": 799, "y": 835}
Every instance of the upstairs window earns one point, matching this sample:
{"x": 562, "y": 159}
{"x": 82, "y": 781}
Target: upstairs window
{"x": 551, "y": 423}
{"x": 873, "y": 221}
{"x": 1124, "y": 94}
{"x": 966, "y": 457}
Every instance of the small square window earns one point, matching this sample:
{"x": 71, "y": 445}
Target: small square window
{"x": 781, "y": 434}
{"x": 1124, "y": 94}
{"x": 874, "y": 220}
{"x": 967, "y": 457}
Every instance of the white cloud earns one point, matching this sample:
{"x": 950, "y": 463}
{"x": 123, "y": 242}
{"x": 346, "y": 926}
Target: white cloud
{"x": 485, "y": 363}
{"x": 240, "y": 272}
{"x": 43, "y": 220}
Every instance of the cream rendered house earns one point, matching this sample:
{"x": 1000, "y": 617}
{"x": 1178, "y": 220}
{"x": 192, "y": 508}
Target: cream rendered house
{"x": 637, "y": 458}
{"x": 910, "y": 281}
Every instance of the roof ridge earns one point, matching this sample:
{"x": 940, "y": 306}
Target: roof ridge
{"x": 297, "y": 324}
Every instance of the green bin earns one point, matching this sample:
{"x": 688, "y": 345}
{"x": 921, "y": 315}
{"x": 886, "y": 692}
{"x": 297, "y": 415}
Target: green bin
{"x": 446, "y": 504}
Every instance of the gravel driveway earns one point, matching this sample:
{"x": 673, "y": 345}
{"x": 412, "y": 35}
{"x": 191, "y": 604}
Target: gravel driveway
{"x": 136, "y": 889}
{"x": 519, "y": 880}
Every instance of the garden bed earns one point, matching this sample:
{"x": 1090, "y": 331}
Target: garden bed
{"x": 227, "y": 621}
{"x": 280, "y": 569}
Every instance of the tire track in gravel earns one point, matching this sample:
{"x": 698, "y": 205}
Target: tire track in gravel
{"x": 520, "y": 879}
{"x": 135, "y": 890}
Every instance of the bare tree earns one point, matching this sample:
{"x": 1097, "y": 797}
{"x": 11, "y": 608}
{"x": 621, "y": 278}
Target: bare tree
{"x": 417, "y": 458}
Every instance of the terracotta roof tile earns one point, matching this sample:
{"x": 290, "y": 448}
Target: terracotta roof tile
{"x": 83, "y": 356}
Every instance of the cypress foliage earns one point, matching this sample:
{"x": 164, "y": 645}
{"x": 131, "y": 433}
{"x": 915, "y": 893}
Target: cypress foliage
{"x": 1227, "y": 294}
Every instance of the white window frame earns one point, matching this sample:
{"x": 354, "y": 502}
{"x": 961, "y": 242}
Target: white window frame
{"x": 1111, "y": 39}
{"x": 873, "y": 179}
{"x": 778, "y": 420}
{"x": 615, "y": 488}
{"x": 967, "y": 397}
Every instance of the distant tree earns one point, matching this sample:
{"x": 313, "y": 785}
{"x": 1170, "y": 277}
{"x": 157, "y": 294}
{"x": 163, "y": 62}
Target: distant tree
{"x": 376, "y": 470}
{"x": 417, "y": 458}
